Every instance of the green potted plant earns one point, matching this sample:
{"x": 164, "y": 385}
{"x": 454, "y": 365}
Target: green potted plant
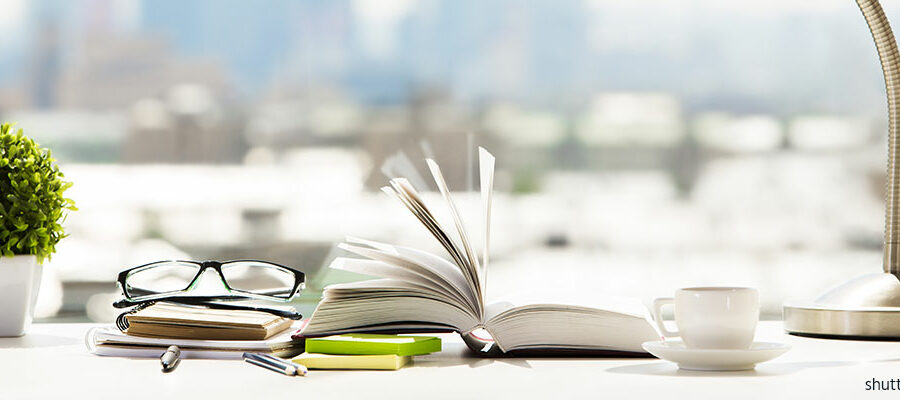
{"x": 32, "y": 209}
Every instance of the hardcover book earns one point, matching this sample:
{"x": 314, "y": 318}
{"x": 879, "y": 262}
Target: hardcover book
{"x": 417, "y": 291}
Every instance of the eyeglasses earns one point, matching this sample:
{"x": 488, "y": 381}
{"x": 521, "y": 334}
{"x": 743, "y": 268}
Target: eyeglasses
{"x": 242, "y": 279}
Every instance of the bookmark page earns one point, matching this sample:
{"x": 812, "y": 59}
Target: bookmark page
{"x": 486, "y": 162}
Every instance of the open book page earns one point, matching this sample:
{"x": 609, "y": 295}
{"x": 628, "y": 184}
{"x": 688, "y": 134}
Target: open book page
{"x": 384, "y": 270}
{"x": 398, "y": 262}
{"x": 570, "y": 328}
{"x": 471, "y": 264}
{"x": 403, "y": 191}
{"x": 449, "y": 272}
{"x": 400, "y": 166}
{"x": 381, "y": 269}
{"x": 383, "y": 304}
{"x": 606, "y": 323}
{"x": 486, "y": 163}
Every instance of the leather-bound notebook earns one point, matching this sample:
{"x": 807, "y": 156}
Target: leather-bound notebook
{"x": 182, "y": 322}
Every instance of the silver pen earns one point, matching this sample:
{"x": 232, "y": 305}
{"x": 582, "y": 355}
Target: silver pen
{"x": 298, "y": 369}
{"x": 170, "y": 359}
{"x": 275, "y": 364}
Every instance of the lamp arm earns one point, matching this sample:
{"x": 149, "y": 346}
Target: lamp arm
{"x": 890, "y": 66}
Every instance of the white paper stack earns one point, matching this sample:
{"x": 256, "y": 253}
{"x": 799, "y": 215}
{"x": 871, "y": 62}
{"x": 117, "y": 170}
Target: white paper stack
{"x": 112, "y": 342}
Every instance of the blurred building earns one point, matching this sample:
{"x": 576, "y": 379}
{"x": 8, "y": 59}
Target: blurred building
{"x": 114, "y": 71}
{"x": 188, "y": 124}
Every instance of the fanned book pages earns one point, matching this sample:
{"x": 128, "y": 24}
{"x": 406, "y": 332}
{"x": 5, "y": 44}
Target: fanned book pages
{"x": 423, "y": 292}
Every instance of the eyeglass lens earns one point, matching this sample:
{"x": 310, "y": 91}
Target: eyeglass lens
{"x": 258, "y": 278}
{"x": 160, "y": 278}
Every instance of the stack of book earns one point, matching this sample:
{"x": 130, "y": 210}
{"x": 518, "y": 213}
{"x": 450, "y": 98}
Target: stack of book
{"x": 198, "y": 331}
{"x": 365, "y": 351}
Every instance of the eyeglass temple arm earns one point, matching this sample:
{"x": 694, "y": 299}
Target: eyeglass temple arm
{"x": 211, "y": 303}
{"x": 275, "y": 311}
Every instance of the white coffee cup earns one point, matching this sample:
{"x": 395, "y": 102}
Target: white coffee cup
{"x": 712, "y": 317}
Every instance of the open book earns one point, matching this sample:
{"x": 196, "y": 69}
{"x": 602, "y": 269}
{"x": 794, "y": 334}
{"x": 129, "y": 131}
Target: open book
{"x": 422, "y": 292}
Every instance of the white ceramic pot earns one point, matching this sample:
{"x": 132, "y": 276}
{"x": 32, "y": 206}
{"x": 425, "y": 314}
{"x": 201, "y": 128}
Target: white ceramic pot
{"x": 20, "y": 280}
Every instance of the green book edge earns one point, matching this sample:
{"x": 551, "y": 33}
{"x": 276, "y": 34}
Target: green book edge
{"x": 420, "y": 345}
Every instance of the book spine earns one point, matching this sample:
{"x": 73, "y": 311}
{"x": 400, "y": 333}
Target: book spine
{"x": 482, "y": 346}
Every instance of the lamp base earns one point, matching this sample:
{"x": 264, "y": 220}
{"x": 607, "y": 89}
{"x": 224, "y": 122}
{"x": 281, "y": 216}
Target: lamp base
{"x": 867, "y": 308}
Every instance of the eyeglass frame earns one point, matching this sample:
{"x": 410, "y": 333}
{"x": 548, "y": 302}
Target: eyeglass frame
{"x": 299, "y": 280}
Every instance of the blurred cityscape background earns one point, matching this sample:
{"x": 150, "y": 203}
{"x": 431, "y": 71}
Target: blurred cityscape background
{"x": 642, "y": 145}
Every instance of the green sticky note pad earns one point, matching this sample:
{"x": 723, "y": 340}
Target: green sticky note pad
{"x": 364, "y": 343}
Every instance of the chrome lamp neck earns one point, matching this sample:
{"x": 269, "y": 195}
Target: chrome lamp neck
{"x": 890, "y": 66}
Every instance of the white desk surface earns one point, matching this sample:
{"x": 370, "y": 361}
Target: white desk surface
{"x": 52, "y": 362}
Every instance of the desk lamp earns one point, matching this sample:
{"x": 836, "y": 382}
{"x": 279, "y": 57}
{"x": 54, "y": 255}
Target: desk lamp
{"x": 867, "y": 307}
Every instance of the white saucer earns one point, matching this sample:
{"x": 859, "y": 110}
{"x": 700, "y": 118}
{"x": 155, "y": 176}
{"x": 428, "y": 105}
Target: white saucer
{"x": 715, "y": 359}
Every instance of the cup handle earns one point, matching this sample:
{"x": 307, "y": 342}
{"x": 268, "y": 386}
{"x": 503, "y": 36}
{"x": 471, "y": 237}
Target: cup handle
{"x": 657, "y": 316}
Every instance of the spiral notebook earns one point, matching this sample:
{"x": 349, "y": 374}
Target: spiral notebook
{"x": 163, "y": 320}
